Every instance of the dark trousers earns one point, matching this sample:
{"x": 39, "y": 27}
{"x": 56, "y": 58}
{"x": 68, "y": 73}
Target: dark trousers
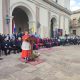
{"x": 7, "y": 51}
{"x": 18, "y": 49}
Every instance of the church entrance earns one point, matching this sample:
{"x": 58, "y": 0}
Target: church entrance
{"x": 21, "y": 19}
{"x": 53, "y": 28}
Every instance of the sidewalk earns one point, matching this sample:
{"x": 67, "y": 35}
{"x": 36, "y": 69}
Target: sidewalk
{"x": 57, "y": 63}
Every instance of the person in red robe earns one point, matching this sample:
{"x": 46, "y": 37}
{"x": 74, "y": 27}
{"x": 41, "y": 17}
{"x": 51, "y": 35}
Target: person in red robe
{"x": 26, "y": 47}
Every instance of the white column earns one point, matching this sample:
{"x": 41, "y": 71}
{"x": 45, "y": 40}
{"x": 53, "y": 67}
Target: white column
{"x": 11, "y": 24}
{"x": 49, "y": 24}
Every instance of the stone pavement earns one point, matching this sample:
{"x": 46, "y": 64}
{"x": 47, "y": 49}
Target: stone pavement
{"x": 59, "y": 63}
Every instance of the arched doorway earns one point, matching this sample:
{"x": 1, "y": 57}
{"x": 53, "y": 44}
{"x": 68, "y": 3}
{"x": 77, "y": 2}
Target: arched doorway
{"x": 53, "y": 27}
{"x": 21, "y": 19}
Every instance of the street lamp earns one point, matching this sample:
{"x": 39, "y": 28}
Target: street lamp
{"x": 7, "y": 19}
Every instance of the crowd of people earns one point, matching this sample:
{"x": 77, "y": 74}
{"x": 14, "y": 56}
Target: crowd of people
{"x": 12, "y": 43}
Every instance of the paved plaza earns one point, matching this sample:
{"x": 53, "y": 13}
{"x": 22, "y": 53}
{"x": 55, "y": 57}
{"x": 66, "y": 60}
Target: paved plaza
{"x": 57, "y": 63}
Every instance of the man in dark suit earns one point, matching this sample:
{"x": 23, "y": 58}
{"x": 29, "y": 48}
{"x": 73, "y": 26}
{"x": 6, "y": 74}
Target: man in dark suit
{"x": 6, "y": 46}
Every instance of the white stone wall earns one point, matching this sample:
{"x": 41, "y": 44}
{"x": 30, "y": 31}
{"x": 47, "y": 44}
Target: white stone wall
{"x": 61, "y": 2}
{"x": 67, "y": 4}
{"x": 44, "y": 22}
{"x": 64, "y": 3}
{"x": 54, "y": 0}
{"x": 62, "y": 23}
{"x": 66, "y": 25}
{"x": 1, "y": 20}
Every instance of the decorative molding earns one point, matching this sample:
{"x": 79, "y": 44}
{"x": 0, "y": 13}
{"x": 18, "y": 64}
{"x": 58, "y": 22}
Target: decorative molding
{"x": 51, "y": 2}
{"x": 40, "y": 4}
{"x": 76, "y": 12}
{"x": 26, "y": 6}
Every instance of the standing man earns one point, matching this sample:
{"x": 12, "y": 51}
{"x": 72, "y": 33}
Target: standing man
{"x": 26, "y": 47}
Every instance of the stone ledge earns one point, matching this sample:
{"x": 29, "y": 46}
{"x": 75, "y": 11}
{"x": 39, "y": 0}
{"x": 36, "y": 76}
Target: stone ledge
{"x": 58, "y": 6}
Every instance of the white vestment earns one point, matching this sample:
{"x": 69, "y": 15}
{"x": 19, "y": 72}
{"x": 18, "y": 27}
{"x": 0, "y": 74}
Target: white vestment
{"x": 26, "y": 45}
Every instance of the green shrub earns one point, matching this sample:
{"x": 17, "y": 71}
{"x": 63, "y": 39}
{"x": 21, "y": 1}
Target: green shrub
{"x": 33, "y": 56}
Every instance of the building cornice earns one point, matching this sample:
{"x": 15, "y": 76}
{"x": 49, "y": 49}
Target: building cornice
{"x": 76, "y": 11}
{"x": 54, "y": 4}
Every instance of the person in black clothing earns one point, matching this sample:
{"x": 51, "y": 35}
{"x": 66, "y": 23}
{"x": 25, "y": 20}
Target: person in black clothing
{"x": 18, "y": 44}
{"x": 6, "y": 46}
{"x": 0, "y": 49}
{"x": 14, "y": 47}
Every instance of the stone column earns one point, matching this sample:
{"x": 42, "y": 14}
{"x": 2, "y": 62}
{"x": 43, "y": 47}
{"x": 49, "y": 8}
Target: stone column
{"x": 11, "y": 18}
{"x": 5, "y": 11}
{"x": 59, "y": 21}
{"x": 49, "y": 24}
{"x": 64, "y": 32}
{"x": 38, "y": 29}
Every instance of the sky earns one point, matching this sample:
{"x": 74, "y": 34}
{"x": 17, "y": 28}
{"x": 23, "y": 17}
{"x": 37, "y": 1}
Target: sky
{"x": 74, "y": 5}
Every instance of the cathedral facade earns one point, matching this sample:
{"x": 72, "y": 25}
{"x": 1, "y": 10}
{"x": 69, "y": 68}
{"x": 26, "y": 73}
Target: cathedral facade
{"x": 41, "y": 16}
